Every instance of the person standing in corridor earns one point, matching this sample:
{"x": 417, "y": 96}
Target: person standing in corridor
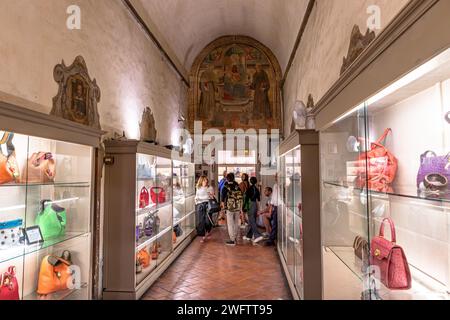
{"x": 254, "y": 197}
{"x": 232, "y": 201}
{"x": 202, "y": 196}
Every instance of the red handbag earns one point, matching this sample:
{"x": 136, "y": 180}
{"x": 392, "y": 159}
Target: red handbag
{"x": 9, "y": 289}
{"x": 158, "y": 194}
{"x": 144, "y": 198}
{"x": 391, "y": 260}
{"x": 381, "y": 167}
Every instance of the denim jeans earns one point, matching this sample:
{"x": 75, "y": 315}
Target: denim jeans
{"x": 274, "y": 224}
{"x": 252, "y": 229}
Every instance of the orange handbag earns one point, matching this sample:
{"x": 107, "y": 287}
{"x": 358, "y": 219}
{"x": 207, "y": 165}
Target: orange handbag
{"x": 9, "y": 170}
{"x": 381, "y": 167}
{"x": 41, "y": 168}
{"x": 144, "y": 258}
{"x": 55, "y": 274}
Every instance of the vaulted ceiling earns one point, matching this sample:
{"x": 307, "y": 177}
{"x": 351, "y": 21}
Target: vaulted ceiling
{"x": 187, "y": 26}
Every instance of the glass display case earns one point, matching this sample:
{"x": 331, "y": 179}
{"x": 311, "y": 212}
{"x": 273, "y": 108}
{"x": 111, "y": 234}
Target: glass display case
{"x": 46, "y": 210}
{"x": 299, "y": 151}
{"x": 163, "y": 206}
{"x": 385, "y": 171}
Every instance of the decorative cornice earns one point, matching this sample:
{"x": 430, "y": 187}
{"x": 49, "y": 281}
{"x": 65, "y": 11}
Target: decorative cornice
{"x": 404, "y": 19}
{"x": 298, "y": 40}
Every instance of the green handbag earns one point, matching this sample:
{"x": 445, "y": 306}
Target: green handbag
{"x": 51, "y": 220}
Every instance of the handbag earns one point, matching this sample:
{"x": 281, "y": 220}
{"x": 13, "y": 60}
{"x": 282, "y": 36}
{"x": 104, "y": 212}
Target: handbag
{"x": 144, "y": 171}
{"x": 10, "y": 233}
{"x": 213, "y": 206}
{"x": 381, "y": 167}
{"x": 390, "y": 259}
{"x": 41, "y": 168}
{"x": 9, "y": 169}
{"x": 144, "y": 198}
{"x": 9, "y": 287}
{"x": 158, "y": 195}
{"x": 174, "y": 237}
{"x": 144, "y": 258}
{"x": 51, "y": 220}
{"x": 178, "y": 230}
{"x": 55, "y": 273}
{"x": 360, "y": 247}
{"x": 155, "y": 251}
{"x": 433, "y": 165}
{"x": 149, "y": 225}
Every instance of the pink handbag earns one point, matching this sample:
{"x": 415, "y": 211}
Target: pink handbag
{"x": 9, "y": 288}
{"x": 391, "y": 259}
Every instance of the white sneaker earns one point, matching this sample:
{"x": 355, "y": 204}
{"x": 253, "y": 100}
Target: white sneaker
{"x": 246, "y": 238}
{"x": 260, "y": 238}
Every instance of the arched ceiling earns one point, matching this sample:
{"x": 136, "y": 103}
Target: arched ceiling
{"x": 187, "y": 26}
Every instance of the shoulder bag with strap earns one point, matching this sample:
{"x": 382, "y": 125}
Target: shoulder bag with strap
{"x": 9, "y": 169}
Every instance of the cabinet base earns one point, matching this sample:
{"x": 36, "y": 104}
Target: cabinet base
{"x": 294, "y": 292}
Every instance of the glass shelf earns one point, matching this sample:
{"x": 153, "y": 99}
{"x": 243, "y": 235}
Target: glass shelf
{"x": 394, "y": 194}
{"x": 55, "y": 184}
{"x": 144, "y": 242}
{"x": 19, "y": 251}
{"x": 423, "y": 286}
{"x": 68, "y": 294}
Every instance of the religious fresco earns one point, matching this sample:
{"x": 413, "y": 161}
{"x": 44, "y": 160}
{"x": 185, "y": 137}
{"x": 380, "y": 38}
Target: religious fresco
{"x": 236, "y": 86}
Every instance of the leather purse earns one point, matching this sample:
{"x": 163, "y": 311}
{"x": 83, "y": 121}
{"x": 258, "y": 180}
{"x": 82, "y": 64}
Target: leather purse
{"x": 9, "y": 287}
{"x": 381, "y": 167}
{"x": 144, "y": 198}
{"x": 41, "y": 168}
{"x": 361, "y": 247}
{"x": 51, "y": 220}
{"x": 9, "y": 169}
{"x": 433, "y": 164}
{"x": 10, "y": 233}
{"x": 158, "y": 195}
{"x": 55, "y": 273}
{"x": 390, "y": 259}
{"x": 144, "y": 258}
{"x": 213, "y": 206}
{"x": 149, "y": 225}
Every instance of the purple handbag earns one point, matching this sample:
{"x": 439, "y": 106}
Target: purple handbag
{"x": 433, "y": 164}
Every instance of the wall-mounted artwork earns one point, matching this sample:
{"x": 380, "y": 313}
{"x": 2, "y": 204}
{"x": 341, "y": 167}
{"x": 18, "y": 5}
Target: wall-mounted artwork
{"x": 78, "y": 95}
{"x": 235, "y": 83}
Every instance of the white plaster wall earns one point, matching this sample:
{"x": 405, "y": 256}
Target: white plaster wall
{"x": 325, "y": 42}
{"x": 129, "y": 69}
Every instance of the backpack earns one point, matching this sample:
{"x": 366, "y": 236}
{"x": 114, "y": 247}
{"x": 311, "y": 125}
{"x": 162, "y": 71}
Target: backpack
{"x": 235, "y": 199}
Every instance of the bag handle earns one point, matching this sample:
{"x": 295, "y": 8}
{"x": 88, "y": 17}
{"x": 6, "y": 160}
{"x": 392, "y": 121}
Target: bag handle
{"x": 425, "y": 154}
{"x": 392, "y": 226}
{"x": 7, "y": 139}
{"x": 383, "y": 136}
{"x": 144, "y": 190}
{"x": 12, "y": 271}
{"x": 447, "y": 117}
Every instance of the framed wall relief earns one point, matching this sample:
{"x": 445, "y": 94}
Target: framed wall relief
{"x": 358, "y": 42}
{"x": 235, "y": 83}
{"x": 78, "y": 95}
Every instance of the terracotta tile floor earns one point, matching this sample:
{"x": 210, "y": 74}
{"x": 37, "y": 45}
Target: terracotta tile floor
{"x": 214, "y": 271}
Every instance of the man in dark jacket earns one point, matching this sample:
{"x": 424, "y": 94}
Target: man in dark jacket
{"x": 232, "y": 201}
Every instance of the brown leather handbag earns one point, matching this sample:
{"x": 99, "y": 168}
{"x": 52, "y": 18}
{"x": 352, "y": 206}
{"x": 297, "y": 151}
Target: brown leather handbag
{"x": 361, "y": 247}
{"x": 41, "y": 168}
{"x": 9, "y": 169}
{"x": 55, "y": 274}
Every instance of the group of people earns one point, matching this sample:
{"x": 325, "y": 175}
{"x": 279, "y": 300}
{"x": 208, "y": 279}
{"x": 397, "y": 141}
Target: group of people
{"x": 240, "y": 203}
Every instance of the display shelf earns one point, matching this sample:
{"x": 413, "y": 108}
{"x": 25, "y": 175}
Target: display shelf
{"x": 19, "y": 251}
{"x": 68, "y": 294}
{"x": 146, "y": 241}
{"x": 55, "y": 184}
{"x": 145, "y": 272}
{"x": 423, "y": 286}
{"x": 385, "y": 194}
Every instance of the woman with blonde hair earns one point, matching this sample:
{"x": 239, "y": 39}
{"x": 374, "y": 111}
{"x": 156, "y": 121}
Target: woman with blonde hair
{"x": 204, "y": 193}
